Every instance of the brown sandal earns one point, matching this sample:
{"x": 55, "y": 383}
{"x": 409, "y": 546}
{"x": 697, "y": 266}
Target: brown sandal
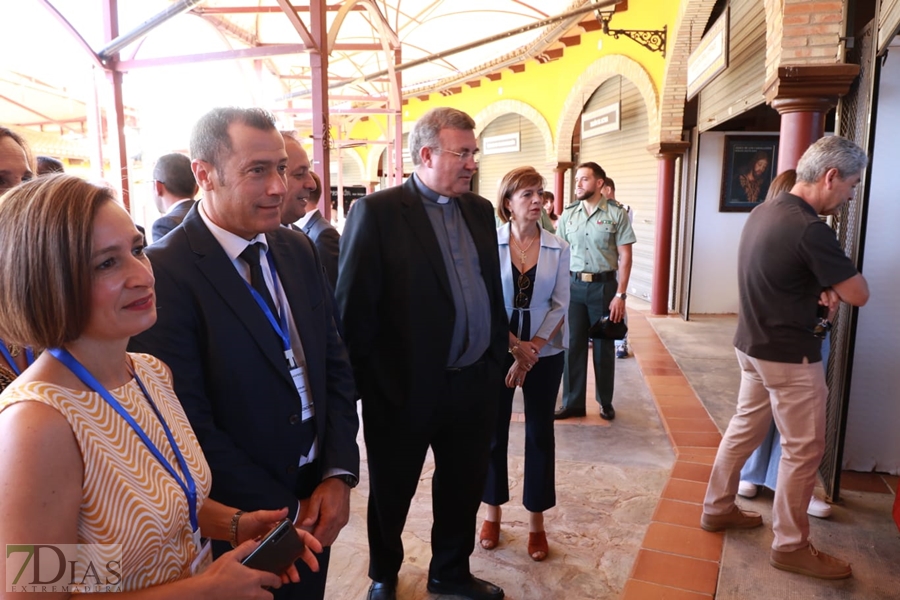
{"x": 490, "y": 534}
{"x": 537, "y": 545}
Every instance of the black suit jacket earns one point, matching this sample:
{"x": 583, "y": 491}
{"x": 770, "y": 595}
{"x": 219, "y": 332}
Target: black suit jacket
{"x": 395, "y": 299}
{"x": 229, "y": 368}
{"x": 171, "y": 220}
{"x": 328, "y": 241}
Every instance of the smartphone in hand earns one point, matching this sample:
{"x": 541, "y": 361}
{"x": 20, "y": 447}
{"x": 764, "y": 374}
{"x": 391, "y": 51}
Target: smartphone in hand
{"x": 278, "y": 549}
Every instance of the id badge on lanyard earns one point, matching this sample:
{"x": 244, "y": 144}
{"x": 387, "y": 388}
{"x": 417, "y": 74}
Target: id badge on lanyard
{"x": 203, "y": 558}
{"x": 297, "y": 369}
{"x": 185, "y": 480}
{"x": 298, "y": 374}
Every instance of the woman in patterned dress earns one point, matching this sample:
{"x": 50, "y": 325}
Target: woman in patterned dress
{"x": 95, "y": 448}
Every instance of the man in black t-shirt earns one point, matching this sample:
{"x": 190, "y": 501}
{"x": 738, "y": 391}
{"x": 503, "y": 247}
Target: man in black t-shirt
{"x": 789, "y": 264}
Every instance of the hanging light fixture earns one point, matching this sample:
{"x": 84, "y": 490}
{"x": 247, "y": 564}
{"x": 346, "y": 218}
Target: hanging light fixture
{"x": 651, "y": 39}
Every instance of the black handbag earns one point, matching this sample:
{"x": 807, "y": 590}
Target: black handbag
{"x": 604, "y": 329}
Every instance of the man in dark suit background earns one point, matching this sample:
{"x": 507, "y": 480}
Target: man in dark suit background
{"x": 275, "y": 434}
{"x": 323, "y": 234}
{"x": 299, "y": 181}
{"x": 174, "y": 189}
{"x": 420, "y": 297}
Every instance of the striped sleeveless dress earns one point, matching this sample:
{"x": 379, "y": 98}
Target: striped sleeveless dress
{"x": 128, "y": 497}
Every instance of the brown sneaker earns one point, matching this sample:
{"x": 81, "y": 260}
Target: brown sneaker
{"x": 736, "y": 519}
{"x": 809, "y": 561}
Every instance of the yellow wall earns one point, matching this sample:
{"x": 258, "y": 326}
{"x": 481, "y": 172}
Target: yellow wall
{"x": 546, "y": 87}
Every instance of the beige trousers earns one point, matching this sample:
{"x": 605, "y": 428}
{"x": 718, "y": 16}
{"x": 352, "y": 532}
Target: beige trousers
{"x": 794, "y": 394}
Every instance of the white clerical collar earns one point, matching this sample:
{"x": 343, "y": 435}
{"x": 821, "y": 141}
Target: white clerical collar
{"x": 429, "y": 193}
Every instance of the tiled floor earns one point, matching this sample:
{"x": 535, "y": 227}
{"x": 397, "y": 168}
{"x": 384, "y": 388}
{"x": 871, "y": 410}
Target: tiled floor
{"x": 629, "y": 495}
{"x": 677, "y": 559}
{"x": 860, "y": 530}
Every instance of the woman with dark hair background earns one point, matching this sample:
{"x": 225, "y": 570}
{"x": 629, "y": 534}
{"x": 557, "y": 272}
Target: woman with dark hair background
{"x": 16, "y": 166}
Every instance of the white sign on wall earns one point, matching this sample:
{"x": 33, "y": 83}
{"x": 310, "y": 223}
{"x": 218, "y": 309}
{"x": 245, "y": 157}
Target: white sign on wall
{"x": 600, "y": 121}
{"x": 500, "y": 144}
{"x": 710, "y": 57}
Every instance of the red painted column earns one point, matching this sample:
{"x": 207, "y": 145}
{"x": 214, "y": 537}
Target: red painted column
{"x": 559, "y": 186}
{"x": 667, "y": 153}
{"x": 662, "y": 256}
{"x": 318, "y": 61}
{"x": 803, "y": 95}
{"x": 115, "y": 111}
{"x": 802, "y": 123}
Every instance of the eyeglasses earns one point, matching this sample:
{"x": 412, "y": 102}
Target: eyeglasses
{"x": 465, "y": 155}
{"x": 523, "y": 283}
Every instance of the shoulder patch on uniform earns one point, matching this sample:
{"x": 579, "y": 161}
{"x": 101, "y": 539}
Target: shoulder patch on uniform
{"x": 614, "y": 202}
{"x": 571, "y": 206}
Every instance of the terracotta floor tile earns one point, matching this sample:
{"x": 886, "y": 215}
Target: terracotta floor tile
{"x": 891, "y": 480}
{"x": 649, "y": 350}
{"x": 691, "y": 471}
{"x": 683, "y": 411}
{"x": 686, "y": 491}
{"x": 651, "y": 346}
{"x": 642, "y": 590}
{"x": 676, "y": 571}
{"x": 705, "y": 456}
{"x": 704, "y": 425}
{"x": 674, "y": 512}
{"x": 657, "y": 362}
{"x": 685, "y": 541}
{"x": 664, "y": 398}
{"x": 653, "y": 371}
{"x": 677, "y": 383}
{"x": 705, "y": 440}
{"x": 864, "y": 482}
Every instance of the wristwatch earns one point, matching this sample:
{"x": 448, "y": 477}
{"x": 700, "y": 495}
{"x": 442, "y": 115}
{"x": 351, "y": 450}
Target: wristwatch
{"x": 623, "y": 296}
{"x": 347, "y": 478}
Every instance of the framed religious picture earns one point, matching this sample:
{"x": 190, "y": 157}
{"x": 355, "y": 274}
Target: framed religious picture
{"x": 748, "y": 169}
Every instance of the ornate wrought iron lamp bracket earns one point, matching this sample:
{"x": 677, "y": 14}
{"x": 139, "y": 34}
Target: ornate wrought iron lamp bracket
{"x": 651, "y": 39}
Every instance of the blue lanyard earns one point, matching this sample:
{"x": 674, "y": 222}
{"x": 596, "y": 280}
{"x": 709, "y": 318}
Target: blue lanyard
{"x": 187, "y": 484}
{"x": 29, "y": 358}
{"x": 280, "y": 326}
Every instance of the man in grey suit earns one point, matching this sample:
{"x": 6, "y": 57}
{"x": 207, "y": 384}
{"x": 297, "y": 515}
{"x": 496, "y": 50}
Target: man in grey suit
{"x": 323, "y": 234}
{"x": 174, "y": 189}
{"x": 246, "y": 323}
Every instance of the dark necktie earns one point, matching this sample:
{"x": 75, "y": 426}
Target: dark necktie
{"x": 250, "y": 255}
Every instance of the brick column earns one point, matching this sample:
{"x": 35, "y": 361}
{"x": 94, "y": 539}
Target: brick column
{"x": 666, "y": 152}
{"x": 803, "y": 95}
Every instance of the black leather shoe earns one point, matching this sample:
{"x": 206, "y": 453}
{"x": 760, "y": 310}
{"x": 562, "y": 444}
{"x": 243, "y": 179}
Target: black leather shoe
{"x": 472, "y": 588}
{"x": 607, "y": 414}
{"x": 382, "y": 590}
{"x": 565, "y": 413}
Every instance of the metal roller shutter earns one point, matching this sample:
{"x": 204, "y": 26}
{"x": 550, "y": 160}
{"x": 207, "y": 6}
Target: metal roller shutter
{"x": 738, "y": 88}
{"x": 493, "y": 167}
{"x": 623, "y": 155}
{"x": 888, "y": 23}
{"x": 387, "y": 155}
{"x": 350, "y": 167}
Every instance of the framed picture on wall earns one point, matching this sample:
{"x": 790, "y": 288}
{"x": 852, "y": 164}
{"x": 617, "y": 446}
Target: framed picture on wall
{"x": 747, "y": 170}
